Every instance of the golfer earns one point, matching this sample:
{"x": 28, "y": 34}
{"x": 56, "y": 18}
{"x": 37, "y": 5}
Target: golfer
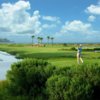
{"x": 79, "y": 58}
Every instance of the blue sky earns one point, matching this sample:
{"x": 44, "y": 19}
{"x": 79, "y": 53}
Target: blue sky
{"x": 65, "y": 20}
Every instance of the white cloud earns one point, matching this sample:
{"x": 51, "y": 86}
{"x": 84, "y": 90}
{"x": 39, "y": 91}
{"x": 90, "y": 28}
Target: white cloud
{"x": 77, "y": 31}
{"x": 76, "y": 26}
{"x": 19, "y": 21}
{"x": 94, "y": 9}
{"x": 20, "y": 5}
{"x": 91, "y": 18}
{"x": 51, "y": 18}
{"x": 51, "y": 22}
{"x": 16, "y": 19}
{"x": 47, "y": 26}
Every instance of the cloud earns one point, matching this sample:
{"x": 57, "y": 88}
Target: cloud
{"x": 91, "y": 18}
{"x": 50, "y": 22}
{"x": 51, "y": 18}
{"x": 77, "y": 31}
{"x": 76, "y": 26}
{"x": 93, "y": 9}
{"x": 16, "y": 18}
{"x": 48, "y": 26}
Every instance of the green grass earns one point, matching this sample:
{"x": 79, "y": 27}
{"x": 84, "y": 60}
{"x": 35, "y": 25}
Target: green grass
{"x": 58, "y": 55}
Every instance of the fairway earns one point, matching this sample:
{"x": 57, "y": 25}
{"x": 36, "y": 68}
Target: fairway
{"x": 58, "y": 55}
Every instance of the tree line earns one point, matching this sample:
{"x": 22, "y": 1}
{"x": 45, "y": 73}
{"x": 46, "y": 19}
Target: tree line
{"x": 40, "y": 39}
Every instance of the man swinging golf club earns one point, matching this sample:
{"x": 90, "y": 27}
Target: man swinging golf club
{"x": 79, "y": 58}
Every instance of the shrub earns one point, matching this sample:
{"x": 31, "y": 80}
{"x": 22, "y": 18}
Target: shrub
{"x": 81, "y": 83}
{"x": 3, "y": 91}
{"x": 88, "y": 49}
{"x": 28, "y": 77}
{"x": 65, "y": 44}
{"x": 36, "y": 79}
{"x": 73, "y": 48}
{"x": 97, "y": 49}
{"x": 56, "y": 87}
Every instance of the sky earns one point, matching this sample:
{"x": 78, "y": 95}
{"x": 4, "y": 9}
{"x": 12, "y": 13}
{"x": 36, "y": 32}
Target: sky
{"x": 68, "y": 21}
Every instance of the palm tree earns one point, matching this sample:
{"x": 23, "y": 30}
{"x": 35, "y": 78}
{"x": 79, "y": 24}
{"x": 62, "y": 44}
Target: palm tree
{"x": 38, "y": 38}
{"x": 32, "y": 39}
{"x": 48, "y": 37}
{"x": 41, "y": 39}
{"x": 52, "y": 38}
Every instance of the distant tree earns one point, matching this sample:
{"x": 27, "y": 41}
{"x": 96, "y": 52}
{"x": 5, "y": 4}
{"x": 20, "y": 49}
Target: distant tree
{"x": 41, "y": 39}
{"x": 52, "y": 38}
{"x": 48, "y": 38}
{"x": 32, "y": 39}
{"x": 38, "y": 38}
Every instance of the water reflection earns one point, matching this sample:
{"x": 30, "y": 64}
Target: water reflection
{"x": 5, "y": 62}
